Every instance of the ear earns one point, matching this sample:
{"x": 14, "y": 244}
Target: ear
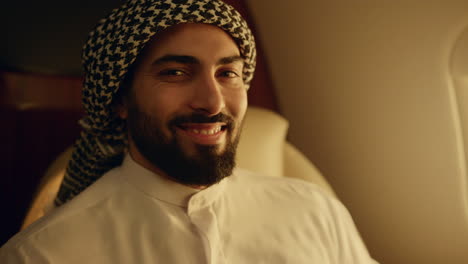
{"x": 121, "y": 109}
{"x": 122, "y": 112}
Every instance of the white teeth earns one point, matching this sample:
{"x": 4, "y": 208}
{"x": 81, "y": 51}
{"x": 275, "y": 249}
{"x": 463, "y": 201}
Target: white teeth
{"x": 205, "y": 131}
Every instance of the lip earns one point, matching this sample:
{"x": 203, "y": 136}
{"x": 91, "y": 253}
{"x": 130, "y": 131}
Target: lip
{"x": 203, "y": 133}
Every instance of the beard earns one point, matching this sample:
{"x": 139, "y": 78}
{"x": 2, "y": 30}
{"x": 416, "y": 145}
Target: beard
{"x": 205, "y": 166}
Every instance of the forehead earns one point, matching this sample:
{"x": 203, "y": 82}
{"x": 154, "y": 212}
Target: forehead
{"x": 199, "y": 40}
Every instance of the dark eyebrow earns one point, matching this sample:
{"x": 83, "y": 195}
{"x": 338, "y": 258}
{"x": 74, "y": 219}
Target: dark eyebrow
{"x": 230, "y": 59}
{"x": 183, "y": 59}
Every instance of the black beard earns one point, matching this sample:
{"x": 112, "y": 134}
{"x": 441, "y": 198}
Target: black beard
{"x": 205, "y": 168}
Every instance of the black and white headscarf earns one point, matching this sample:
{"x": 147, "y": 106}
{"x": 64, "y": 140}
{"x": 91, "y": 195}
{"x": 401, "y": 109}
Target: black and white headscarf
{"x": 112, "y": 47}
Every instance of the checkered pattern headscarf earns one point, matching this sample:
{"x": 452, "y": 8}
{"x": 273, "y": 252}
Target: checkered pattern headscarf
{"x": 110, "y": 50}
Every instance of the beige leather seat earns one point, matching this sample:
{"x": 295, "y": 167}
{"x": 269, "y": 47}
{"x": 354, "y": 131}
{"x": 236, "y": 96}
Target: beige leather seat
{"x": 263, "y": 148}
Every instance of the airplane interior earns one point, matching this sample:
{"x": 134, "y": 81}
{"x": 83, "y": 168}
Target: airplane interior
{"x": 368, "y": 99}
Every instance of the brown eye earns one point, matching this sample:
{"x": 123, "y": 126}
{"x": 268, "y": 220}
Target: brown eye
{"x": 172, "y": 72}
{"x": 173, "y": 75}
{"x": 229, "y": 74}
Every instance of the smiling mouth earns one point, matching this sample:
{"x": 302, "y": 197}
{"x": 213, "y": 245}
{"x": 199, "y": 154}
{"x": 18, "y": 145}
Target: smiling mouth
{"x": 209, "y": 131}
{"x": 201, "y": 125}
{"x": 205, "y": 131}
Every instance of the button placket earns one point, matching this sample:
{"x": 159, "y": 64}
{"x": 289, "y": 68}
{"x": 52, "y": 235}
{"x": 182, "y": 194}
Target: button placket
{"x": 204, "y": 218}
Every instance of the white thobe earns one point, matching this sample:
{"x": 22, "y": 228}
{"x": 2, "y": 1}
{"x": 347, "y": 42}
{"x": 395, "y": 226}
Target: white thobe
{"x": 131, "y": 215}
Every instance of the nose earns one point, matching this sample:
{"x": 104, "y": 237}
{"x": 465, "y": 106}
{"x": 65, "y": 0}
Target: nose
{"x": 207, "y": 97}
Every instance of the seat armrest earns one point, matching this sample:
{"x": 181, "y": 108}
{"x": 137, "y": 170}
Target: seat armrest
{"x": 43, "y": 201}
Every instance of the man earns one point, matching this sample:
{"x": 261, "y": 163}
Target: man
{"x": 167, "y": 81}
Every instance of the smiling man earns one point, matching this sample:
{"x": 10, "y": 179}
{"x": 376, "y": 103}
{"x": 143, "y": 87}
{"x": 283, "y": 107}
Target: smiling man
{"x": 185, "y": 105}
{"x": 152, "y": 178}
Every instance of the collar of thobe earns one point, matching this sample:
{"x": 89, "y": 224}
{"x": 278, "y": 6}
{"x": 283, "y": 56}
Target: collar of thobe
{"x": 166, "y": 190}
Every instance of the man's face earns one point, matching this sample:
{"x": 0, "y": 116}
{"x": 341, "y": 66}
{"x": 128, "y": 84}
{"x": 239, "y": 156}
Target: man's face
{"x": 186, "y": 104}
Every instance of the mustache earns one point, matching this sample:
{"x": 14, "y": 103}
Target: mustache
{"x": 201, "y": 118}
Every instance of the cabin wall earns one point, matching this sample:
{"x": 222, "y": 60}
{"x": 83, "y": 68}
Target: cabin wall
{"x": 375, "y": 92}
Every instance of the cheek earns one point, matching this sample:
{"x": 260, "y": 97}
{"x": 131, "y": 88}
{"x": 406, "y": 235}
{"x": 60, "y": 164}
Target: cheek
{"x": 161, "y": 100}
{"x": 237, "y": 104}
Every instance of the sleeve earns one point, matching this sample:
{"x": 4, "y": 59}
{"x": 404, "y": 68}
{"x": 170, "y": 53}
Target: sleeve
{"x": 12, "y": 255}
{"x": 21, "y": 252}
{"x": 350, "y": 247}
{"x": 343, "y": 242}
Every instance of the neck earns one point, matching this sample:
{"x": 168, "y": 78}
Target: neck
{"x": 142, "y": 161}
